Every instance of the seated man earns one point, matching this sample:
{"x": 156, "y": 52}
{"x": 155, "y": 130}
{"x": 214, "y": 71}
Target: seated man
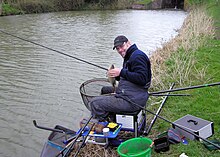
{"x": 134, "y": 80}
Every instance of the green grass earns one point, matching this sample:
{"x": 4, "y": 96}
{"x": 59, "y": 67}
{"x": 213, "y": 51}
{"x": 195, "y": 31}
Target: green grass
{"x": 209, "y": 56}
{"x": 143, "y": 1}
{"x": 10, "y": 10}
{"x": 212, "y": 8}
{"x": 214, "y": 11}
{"x": 204, "y": 102}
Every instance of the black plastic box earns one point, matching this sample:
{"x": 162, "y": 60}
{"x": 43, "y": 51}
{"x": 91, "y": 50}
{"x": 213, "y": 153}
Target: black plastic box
{"x": 161, "y": 144}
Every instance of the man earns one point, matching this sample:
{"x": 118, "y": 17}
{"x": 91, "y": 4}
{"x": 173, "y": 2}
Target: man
{"x": 134, "y": 80}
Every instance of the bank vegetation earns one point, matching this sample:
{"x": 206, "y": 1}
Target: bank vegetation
{"x": 13, "y": 7}
{"x": 179, "y": 54}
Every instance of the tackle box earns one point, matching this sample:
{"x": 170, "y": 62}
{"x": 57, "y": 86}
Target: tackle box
{"x": 128, "y": 120}
{"x": 201, "y": 127}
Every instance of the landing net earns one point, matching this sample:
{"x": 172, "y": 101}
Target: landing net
{"x": 92, "y": 88}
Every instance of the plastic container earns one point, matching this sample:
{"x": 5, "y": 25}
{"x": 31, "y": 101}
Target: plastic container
{"x": 161, "y": 144}
{"x": 135, "y": 147}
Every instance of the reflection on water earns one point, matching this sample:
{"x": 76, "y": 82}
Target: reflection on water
{"x": 36, "y": 83}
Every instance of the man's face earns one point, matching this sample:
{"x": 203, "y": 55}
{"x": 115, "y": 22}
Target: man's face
{"x": 122, "y": 49}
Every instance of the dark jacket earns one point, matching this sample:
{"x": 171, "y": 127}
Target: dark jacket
{"x": 135, "y": 77}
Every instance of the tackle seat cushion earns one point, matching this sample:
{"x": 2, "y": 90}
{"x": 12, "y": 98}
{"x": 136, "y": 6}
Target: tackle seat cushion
{"x": 135, "y": 113}
{"x": 129, "y": 113}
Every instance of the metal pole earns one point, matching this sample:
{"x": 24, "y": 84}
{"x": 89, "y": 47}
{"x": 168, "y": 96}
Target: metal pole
{"x": 185, "y": 88}
{"x": 158, "y": 112}
{"x": 170, "y": 95}
{"x": 45, "y": 128}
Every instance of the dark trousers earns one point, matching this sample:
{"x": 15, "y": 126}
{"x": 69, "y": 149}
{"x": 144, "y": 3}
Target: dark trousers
{"x": 102, "y": 105}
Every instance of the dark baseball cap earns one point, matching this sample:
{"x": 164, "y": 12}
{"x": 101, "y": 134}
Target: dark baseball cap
{"x": 119, "y": 40}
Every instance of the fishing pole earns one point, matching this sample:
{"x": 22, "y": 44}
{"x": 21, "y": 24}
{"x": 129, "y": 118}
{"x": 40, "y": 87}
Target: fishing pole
{"x": 192, "y": 133}
{"x": 185, "y": 88}
{"x": 158, "y": 112}
{"x": 170, "y": 95}
{"x": 74, "y": 140}
{"x": 83, "y": 142}
{"x": 150, "y": 93}
{"x": 61, "y": 152}
{"x": 65, "y": 54}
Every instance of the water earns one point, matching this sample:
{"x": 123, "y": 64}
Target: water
{"x": 42, "y": 85}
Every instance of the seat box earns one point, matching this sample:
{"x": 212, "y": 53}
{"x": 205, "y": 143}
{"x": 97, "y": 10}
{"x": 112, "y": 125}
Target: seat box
{"x": 127, "y": 120}
{"x": 201, "y": 127}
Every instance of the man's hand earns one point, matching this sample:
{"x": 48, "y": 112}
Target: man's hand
{"x": 114, "y": 72}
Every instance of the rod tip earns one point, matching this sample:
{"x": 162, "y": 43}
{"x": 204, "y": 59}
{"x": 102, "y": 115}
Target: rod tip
{"x": 34, "y": 122}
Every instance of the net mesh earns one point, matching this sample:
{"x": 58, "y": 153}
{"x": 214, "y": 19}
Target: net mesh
{"x": 92, "y": 88}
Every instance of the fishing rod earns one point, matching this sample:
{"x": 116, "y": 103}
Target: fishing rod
{"x": 192, "y": 133}
{"x": 158, "y": 112}
{"x": 69, "y": 147}
{"x": 83, "y": 142}
{"x": 185, "y": 88}
{"x": 170, "y": 95}
{"x": 65, "y": 54}
{"x": 150, "y": 93}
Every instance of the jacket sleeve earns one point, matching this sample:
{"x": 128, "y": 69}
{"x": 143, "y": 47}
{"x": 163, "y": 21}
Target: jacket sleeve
{"x": 137, "y": 70}
{"x": 117, "y": 78}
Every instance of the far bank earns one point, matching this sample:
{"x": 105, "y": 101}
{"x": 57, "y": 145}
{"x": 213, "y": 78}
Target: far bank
{"x": 9, "y": 7}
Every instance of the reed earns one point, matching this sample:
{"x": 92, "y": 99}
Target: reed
{"x": 108, "y": 4}
{"x": 41, "y": 6}
{"x": 175, "y": 61}
{"x": 95, "y": 150}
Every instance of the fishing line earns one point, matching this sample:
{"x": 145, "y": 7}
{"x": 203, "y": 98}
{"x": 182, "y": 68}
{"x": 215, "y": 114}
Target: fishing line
{"x": 65, "y": 54}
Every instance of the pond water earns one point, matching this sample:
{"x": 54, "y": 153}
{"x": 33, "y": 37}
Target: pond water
{"x": 42, "y": 85}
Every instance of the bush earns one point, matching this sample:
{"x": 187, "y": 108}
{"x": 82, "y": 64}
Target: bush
{"x": 7, "y": 9}
{"x": 36, "y": 7}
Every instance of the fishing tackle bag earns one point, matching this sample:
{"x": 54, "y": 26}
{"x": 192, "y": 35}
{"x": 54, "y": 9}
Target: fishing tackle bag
{"x": 174, "y": 136}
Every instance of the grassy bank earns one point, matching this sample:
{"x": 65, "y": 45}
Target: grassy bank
{"x": 192, "y": 58}
{"x": 14, "y": 7}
